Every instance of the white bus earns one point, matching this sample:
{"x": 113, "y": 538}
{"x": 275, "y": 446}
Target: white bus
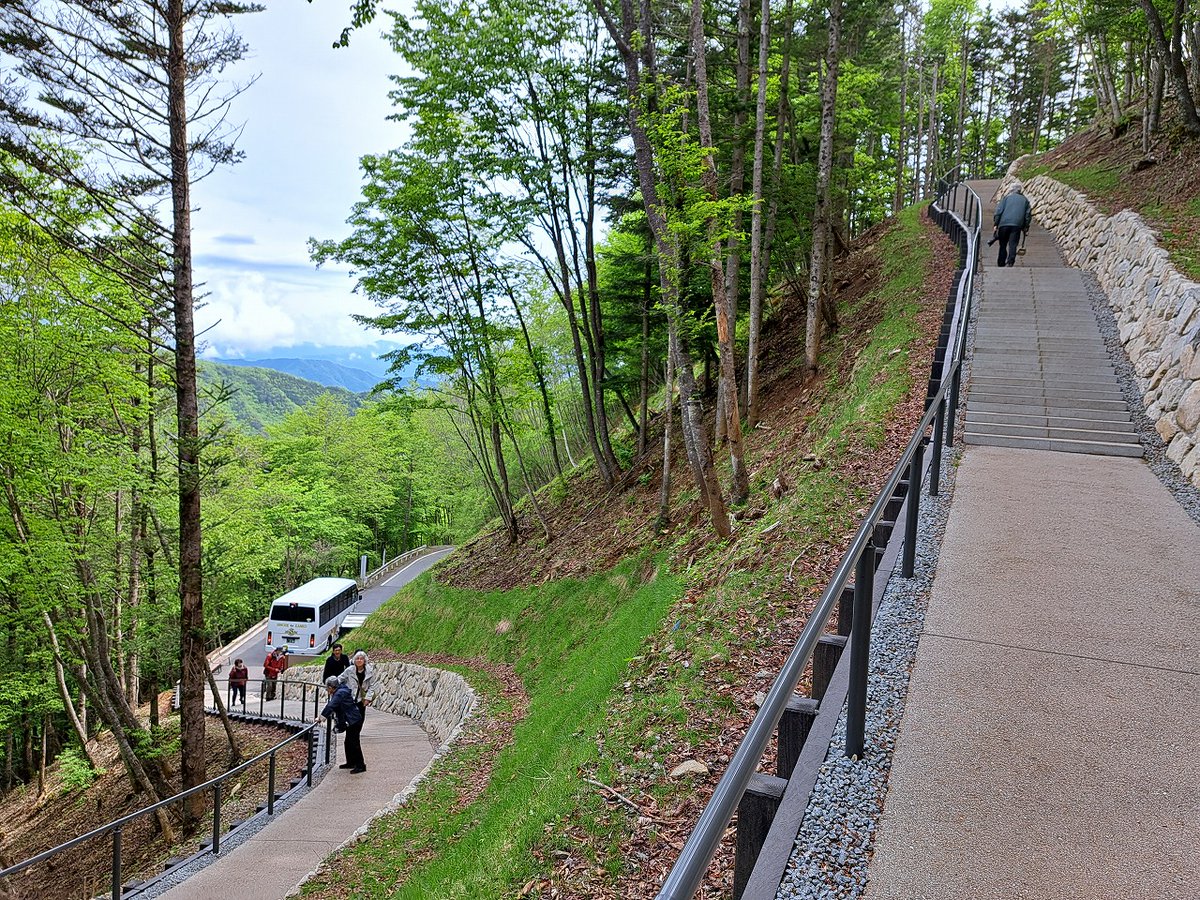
{"x": 306, "y": 620}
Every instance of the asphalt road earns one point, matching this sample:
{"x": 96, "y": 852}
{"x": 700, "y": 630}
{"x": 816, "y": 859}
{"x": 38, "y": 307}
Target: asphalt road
{"x": 251, "y": 646}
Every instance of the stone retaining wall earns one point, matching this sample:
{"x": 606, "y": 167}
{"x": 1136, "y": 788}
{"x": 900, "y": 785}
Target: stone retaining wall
{"x": 1157, "y": 309}
{"x": 437, "y": 700}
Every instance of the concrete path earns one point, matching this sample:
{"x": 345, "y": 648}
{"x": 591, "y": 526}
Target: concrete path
{"x": 1048, "y": 748}
{"x": 275, "y": 860}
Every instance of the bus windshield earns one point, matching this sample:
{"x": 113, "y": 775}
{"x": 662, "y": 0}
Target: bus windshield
{"x": 286, "y": 612}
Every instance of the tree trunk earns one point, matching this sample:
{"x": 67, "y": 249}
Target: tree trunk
{"x": 816, "y": 271}
{"x": 235, "y": 755}
{"x": 737, "y": 165}
{"x": 740, "y": 486}
{"x": 664, "y": 490}
{"x": 192, "y": 753}
{"x": 757, "y": 273}
{"x": 644, "y": 373}
{"x": 902, "y": 140}
{"x": 633, "y": 50}
{"x": 1173, "y": 63}
{"x": 68, "y": 705}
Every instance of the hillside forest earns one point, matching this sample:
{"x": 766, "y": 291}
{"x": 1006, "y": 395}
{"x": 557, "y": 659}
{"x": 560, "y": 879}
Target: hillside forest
{"x": 599, "y": 210}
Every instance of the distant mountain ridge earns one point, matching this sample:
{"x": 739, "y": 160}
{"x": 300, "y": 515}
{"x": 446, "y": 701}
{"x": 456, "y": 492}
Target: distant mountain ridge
{"x": 322, "y": 371}
{"x": 262, "y": 396}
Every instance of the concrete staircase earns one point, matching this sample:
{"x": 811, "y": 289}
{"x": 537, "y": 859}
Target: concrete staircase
{"x": 1041, "y": 377}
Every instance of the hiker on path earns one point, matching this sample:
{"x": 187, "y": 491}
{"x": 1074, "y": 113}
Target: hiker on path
{"x": 238, "y": 676}
{"x": 336, "y": 664}
{"x": 274, "y": 665}
{"x": 347, "y": 718}
{"x": 360, "y": 678}
{"x": 1012, "y": 218}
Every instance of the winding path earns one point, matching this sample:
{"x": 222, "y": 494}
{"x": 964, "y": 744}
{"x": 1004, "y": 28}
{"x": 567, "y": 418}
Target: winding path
{"x": 273, "y": 861}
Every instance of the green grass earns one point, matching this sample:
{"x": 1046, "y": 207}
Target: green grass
{"x": 570, "y": 642}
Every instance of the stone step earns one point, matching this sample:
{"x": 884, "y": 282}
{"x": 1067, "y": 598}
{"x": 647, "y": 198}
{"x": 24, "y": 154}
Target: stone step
{"x": 1098, "y": 419}
{"x": 1066, "y": 381}
{"x": 1098, "y": 448}
{"x": 1128, "y": 436}
{"x": 1047, "y": 387}
{"x": 1043, "y": 409}
{"x": 999, "y": 394}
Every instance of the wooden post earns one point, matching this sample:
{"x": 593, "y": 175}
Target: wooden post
{"x": 754, "y": 816}
{"x": 846, "y": 610}
{"x": 794, "y": 726}
{"x": 825, "y": 659}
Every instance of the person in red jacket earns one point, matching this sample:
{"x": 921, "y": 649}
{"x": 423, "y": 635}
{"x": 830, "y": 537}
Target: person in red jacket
{"x": 273, "y": 666}
{"x": 238, "y": 676}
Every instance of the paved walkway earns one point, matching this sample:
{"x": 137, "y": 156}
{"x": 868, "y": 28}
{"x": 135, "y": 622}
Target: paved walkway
{"x": 278, "y": 857}
{"x": 1048, "y": 748}
{"x": 270, "y": 863}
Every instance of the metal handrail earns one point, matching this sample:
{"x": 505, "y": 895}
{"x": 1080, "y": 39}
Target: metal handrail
{"x": 686, "y": 875}
{"x": 307, "y": 733}
{"x": 392, "y": 563}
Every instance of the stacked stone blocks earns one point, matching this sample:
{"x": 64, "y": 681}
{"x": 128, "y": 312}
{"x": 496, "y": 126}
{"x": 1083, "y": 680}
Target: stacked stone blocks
{"x": 437, "y": 700}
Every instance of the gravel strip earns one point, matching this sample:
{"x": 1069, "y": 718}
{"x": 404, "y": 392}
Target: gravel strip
{"x": 837, "y": 836}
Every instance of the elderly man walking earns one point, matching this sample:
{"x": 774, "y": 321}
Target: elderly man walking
{"x": 1012, "y": 218}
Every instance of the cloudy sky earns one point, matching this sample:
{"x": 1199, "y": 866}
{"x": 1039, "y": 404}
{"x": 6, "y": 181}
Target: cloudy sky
{"x": 310, "y": 116}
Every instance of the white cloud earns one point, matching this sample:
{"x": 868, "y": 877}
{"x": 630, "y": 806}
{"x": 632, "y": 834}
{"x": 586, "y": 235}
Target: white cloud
{"x": 247, "y": 312}
{"x": 309, "y": 118}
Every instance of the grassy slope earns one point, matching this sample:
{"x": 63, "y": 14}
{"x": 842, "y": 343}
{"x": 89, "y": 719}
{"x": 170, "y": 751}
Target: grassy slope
{"x": 621, "y": 675}
{"x": 1164, "y": 187}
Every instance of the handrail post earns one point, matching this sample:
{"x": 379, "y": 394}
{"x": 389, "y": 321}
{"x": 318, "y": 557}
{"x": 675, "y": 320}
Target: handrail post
{"x": 909, "y": 562}
{"x": 935, "y": 462}
{"x": 328, "y": 739}
{"x": 271, "y": 785}
{"x": 860, "y": 645}
{"x": 312, "y": 754}
{"x": 116, "y": 865}
{"x": 216, "y": 848}
{"x": 262, "y": 692}
{"x": 954, "y": 380}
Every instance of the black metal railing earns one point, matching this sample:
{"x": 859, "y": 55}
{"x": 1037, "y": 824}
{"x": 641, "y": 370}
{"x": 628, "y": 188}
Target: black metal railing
{"x": 942, "y": 405}
{"x": 291, "y": 701}
{"x": 216, "y": 785}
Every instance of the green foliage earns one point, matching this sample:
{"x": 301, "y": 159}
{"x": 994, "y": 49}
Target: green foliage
{"x": 254, "y": 398}
{"x": 74, "y": 770}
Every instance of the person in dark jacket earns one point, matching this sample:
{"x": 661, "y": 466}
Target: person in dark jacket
{"x": 1012, "y": 218}
{"x": 348, "y": 718}
{"x": 336, "y": 663}
{"x": 238, "y": 676}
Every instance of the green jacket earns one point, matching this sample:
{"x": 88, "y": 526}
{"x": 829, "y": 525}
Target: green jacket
{"x": 1013, "y": 210}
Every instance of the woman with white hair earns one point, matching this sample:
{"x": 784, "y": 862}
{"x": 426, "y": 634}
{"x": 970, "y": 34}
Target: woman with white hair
{"x": 360, "y": 678}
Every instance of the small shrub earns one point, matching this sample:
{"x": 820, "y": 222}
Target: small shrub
{"x": 75, "y": 770}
